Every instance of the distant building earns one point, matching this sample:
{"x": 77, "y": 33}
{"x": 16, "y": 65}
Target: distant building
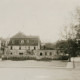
{"x": 20, "y": 44}
{"x": 2, "y": 45}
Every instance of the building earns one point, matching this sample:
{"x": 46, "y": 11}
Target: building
{"x": 28, "y": 47}
{"x": 2, "y": 45}
{"x": 20, "y": 44}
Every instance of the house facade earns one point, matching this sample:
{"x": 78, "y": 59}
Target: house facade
{"x": 21, "y": 44}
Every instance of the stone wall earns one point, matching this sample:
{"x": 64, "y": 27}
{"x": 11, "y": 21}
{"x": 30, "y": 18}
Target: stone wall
{"x": 37, "y": 54}
{"x": 52, "y": 54}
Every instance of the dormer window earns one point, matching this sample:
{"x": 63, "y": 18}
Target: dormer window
{"x": 22, "y": 41}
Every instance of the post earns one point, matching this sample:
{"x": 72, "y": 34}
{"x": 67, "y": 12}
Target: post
{"x": 69, "y": 50}
{"x": 73, "y": 63}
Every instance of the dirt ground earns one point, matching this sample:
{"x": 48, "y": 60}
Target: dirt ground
{"x": 37, "y": 70}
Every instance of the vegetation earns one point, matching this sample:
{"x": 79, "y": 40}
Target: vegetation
{"x": 48, "y": 46}
{"x": 70, "y": 42}
{"x": 14, "y": 58}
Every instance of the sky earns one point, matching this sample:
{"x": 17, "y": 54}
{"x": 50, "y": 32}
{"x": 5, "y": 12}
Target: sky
{"x": 43, "y": 18}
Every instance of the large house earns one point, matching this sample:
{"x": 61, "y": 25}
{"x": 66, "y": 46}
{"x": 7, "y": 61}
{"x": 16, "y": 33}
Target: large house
{"x": 21, "y": 44}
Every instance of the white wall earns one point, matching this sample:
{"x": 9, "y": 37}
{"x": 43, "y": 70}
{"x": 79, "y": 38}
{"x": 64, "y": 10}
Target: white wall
{"x": 15, "y": 49}
{"x": 24, "y": 47}
{"x": 52, "y": 56}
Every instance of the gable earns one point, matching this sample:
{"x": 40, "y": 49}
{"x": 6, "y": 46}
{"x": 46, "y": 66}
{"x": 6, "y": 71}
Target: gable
{"x": 19, "y": 35}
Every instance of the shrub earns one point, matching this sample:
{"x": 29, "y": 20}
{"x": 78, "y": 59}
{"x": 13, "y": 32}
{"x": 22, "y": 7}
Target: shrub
{"x": 44, "y": 59}
{"x": 18, "y": 58}
{"x": 65, "y": 57}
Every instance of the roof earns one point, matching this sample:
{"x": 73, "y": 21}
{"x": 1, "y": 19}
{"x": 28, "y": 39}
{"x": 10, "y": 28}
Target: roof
{"x": 21, "y": 35}
{"x": 1, "y": 39}
{"x": 27, "y": 40}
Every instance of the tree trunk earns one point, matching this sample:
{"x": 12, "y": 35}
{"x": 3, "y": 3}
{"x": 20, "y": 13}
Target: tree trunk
{"x": 69, "y": 57}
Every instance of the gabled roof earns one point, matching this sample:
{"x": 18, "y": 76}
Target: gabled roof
{"x": 16, "y": 40}
{"x": 21, "y": 35}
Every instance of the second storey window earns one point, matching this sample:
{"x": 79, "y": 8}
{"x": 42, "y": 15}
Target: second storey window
{"x": 27, "y": 41}
{"x": 12, "y": 42}
{"x": 34, "y": 48}
{"x": 11, "y": 47}
{"x": 50, "y": 53}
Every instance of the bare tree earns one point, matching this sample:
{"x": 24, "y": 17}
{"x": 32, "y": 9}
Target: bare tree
{"x": 68, "y": 34}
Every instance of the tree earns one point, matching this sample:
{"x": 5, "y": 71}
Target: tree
{"x": 68, "y": 35}
{"x": 76, "y": 22}
{"x": 77, "y": 26}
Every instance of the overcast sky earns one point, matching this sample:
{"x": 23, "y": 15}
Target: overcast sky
{"x": 44, "y": 18}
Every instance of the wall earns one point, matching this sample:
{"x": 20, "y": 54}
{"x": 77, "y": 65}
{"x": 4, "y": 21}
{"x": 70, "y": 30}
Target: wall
{"x": 38, "y": 54}
{"x": 46, "y": 54}
{"x": 24, "y": 47}
{"x": 0, "y": 44}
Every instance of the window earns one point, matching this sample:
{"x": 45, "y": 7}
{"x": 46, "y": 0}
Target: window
{"x": 27, "y": 41}
{"x": 45, "y": 53}
{"x": 50, "y": 53}
{"x": 11, "y": 53}
{"x": 57, "y": 52}
{"x": 20, "y": 53}
{"x": 11, "y": 47}
{"x": 34, "y": 48}
{"x": 40, "y": 54}
{"x": 22, "y": 41}
{"x": 29, "y": 47}
{"x": 20, "y": 48}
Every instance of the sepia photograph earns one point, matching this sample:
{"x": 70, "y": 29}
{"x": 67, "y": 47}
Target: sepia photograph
{"x": 39, "y": 40}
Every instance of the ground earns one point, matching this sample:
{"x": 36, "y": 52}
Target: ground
{"x": 35, "y": 74}
{"x": 33, "y": 63}
{"x": 39, "y": 70}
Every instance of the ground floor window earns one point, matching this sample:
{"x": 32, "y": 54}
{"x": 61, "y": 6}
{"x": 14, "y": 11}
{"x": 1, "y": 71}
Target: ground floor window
{"x": 20, "y": 53}
{"x": 50, "y": 53}
{"x": 11, "y": 53}
{"x": 40, "y": 54}
{"x": 29, "y": 47}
